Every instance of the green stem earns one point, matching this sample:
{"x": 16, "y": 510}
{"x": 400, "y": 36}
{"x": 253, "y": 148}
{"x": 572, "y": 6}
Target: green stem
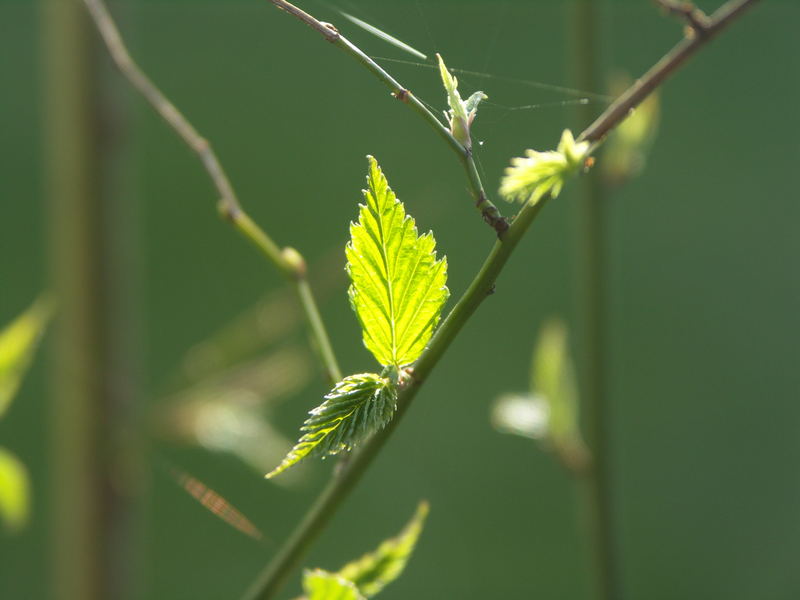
{"x": 287, "y": 260}
{"x": 272, "y": 579}
{"x": 488, "y": 210}
{"x": 91, "y": 408}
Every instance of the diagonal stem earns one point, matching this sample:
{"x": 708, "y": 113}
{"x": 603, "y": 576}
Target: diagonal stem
{"x": 488, "y": 210}
{"x": 288, "y": 261}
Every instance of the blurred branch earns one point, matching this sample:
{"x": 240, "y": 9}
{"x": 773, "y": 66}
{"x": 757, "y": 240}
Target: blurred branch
{"x": 489, "y": 211}
{"x": 287, "y": 260}
{"x": 665, "y": 67}
{"x": 271, "y": 580}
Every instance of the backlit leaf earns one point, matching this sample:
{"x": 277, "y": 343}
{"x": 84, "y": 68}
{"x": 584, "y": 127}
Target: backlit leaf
{"x": 398, "y": 286}
{"x": 321, "y": 585}
{"x": 373, "y": 571}
{"x": 358, "y": 406}
{"x": 17, "y": 345}
{"x": 14, "y": 491}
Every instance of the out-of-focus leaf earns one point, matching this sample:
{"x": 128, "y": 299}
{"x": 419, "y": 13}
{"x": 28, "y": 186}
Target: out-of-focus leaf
{"x": 357, "y": 407}
{"x": 553, "y": 378}
{"x": 398, "y": 286}
{"x": 14, "y": 491}
{"x": 374, "y": 571}
{"x": 215, "y": 503}
{"x": 18, "y": 343}
{"x": 626, "y": 149}
{"x": 321, "y": 585}
{"x": 521, "y": 414}
{"x": 226, "y": 412}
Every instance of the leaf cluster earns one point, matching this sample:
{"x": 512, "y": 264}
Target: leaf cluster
{"x": 398, "y": 289}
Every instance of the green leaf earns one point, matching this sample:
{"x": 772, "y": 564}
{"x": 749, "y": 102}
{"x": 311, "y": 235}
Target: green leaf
{"x": 374, "y": 571}
{"x": 531, "y": 177}
{"x": 18, "y": 343}
{"x": 321, "y": 585}
{"x": 358, "y": 406}
{"x": 398, "y": 286}
{"x": 14, "y": 491}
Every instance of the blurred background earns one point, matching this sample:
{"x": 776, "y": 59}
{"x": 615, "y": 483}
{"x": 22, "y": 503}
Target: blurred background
{"x": 200, "y": 348}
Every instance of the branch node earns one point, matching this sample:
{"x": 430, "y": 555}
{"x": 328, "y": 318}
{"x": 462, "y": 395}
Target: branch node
{"x": 401, "y": 94}
{"x": 228, "y": 210}
{"x": 295, "y": 261}
{"x": 697, "y": 22}
{"x": 332, "y": 35}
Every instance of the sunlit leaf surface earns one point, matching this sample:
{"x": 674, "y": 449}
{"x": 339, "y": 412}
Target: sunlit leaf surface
{"x": 398, "y": 286}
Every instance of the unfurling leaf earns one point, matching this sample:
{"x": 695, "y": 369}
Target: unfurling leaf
{"x": 17, "y": 344}
{"x": 549, "y": 411}
{"x": 322, "y": 585}
{"x": 553, "y": 379}
{"x": 530, "y": 178}
{"x": 461, "y": 113}
{"x": 374, "y": 571}
{"x": 14, "y": 491}
{"x": 398, "y": 286}
{"x": 357, "y": 407}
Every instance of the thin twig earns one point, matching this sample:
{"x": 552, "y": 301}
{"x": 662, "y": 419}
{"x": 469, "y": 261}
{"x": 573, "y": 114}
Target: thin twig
{"x": 287, "y": 260}
{"x": 275, "y": 574}
{"x": 665, "y": 67}
{"x": 488, "y": 210}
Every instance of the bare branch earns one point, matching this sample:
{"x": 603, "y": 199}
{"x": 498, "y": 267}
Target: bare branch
{"x": 665, "y": 67}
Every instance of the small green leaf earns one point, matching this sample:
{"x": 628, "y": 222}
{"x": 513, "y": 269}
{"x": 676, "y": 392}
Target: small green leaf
{"x": 14, "y": 491}
{"x": 530, "y": 178}
{"x": 18, "y": 343}
{"x": 321, "y": 585}
{"x": 357, "y": 407}
{"x": 461, "y": 113}
{"x": 374, "y": 571}
{"x": 398, "y": 286}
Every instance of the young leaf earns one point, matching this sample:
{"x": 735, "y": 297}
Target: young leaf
{"x": 17, "y": 344}
{"x": 322, "y": 585}
{"x": 374, "y": 571}
{"x": 530, "y": 178}
{"x": 358, "y": 406}
{"x": 398, "y": 287}
{"x": 461, "y": 113}
{"x": 14, "y": 491}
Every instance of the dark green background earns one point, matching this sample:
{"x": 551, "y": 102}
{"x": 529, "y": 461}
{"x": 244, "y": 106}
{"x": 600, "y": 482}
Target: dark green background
{"x": 703, "y": 294}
